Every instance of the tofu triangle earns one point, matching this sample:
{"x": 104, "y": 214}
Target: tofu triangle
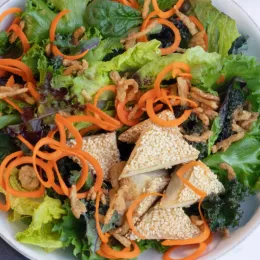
{"x": 159, "y": 148}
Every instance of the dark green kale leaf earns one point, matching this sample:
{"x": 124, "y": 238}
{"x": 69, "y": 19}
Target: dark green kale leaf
{"x": 152, "y": 244}
{"x": 239, "y": 45}
{"x": 202, "y": 147}
{"x": 224, "y": 210}
{"x": 7, "y": 146}
{"x": 232, "y": 97}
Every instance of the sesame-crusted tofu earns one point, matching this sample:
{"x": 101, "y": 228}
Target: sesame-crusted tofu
{"x": 160, "y": 224}
{"x": 158, "y": 148}
{"x": 102, "y": 147}
{"x": 131, "y": 188}
{"x": 132, "y": 134}
{"x": 179, "y": 195}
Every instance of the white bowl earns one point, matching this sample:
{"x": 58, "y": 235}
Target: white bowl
{"x": 251, "y": 218}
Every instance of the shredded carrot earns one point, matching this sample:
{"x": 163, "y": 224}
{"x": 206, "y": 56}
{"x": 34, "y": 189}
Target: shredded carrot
{"x": 206, "y": 231}
{"x": 169, "y": 13}
{"x": 131, "y": 210}
{"x": 10, "y": 82}
{"x": 11, "y": 103}
{"x": 20, "y": 161}
{"x": 180, "y": 66}
{"x": 15, "y": 21}
{"x": 175, "y": 30}
{"x": 16, "y": 64}
{"x": 55, "y": 49}
{"x": 20, "y": 34}
{"x": 150, "y": 94}
{"x": 130, "y": 3}
{"x": 101, "y": 91}
{"x": 5, "y": 162}
{"x": 103, "y": 115}
{"x": 166, "y": 100}
{"x": 24, "y": 141}
{"x": 2, "y": 73}
{"x": 9, "y": 11}
{"x": 86, "y": 130}
{"x": 104, "y": 254}
{"x": 15, "y": 71}
{"x": 221, "y": 79}
{"x": 103, "y": 237}
{"x": 33, "y": 91}
{"x": 122, "y": 114}
{"x": 200, "y": 26}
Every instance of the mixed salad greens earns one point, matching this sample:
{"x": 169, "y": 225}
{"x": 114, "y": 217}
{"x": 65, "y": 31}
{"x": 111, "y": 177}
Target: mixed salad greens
{"x": 94, "y": 68}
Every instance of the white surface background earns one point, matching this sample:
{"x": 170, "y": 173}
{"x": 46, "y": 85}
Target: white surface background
{"x": 249, "y": 249}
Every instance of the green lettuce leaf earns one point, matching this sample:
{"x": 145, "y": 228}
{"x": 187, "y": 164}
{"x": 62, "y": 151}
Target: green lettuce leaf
{"x": 40, "y": 232}
{"x": 130, "y": 61}
{"x": 3, "y": 42}
{"x": 243, "y": 156}
{"x": 215, "y": 129}
{"x": 105, "y": 47}
{"x": 111, "y": 18}
{"x": 221, "y": 29}
{"x": 204, "y": 67}
{"x": 9, "y": 120}
{"x": 39, "y": 15}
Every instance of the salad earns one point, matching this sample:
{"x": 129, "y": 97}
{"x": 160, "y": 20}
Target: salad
{"x": 126, "y": 125}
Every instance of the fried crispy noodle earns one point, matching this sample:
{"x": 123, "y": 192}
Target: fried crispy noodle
{"x": 103, "y": 199}
{"x": 198, "y": 40}
{"x": 123, "y": 240}
{"x": 123, "y": 85}
{"x": 247, "y": 123}
{"x": 77, "y": 207}
{"x": 186, "y": 20}
{"x": 136, "y": 35}
{"x": 77, "y": 35}
{"x": 92, "y": 194}
{"x": 68, "y": 63}
{"x": 211, "y": 103}
{"x": 211, "y": 114}
{"x": 183, "y": 85}
{"x": 198, "y": 139}
{"x": 13, "y": 35}
{"x": 123, "y": 230}
{"x": 196, "y": 220}
{"x": 86, "y": 96}
{"x": 146, "y": 8}
{"x": 133, "y": 112}
{"x": 237, "y": 128}
{"x": 242, "y": 115}
{"x": 48, "y": 50}
{"x": 224, "y": 145}
{"x": 10, "y": 92}
{"x": 114, "y": 173}
{"x": 230, "y": 171}
{"x": 201, "y": 115}
{"x": 204, "y": 95}
{"x": 28, "y": 178}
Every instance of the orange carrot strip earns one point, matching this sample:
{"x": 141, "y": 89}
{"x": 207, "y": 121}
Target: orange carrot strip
{"x": 191, "y": 102}
{"x": 200, "y": 26}
{"x": 15, "y": 21}
{"x": 176, "y": 65}
{"x": 33, "y": 91}
{"x": 101, "y": 91}
{"x": 9, "y": 11}
{"x": 11, "y": 103}
{"x": 20, "y": 34}
{"x": 121, "y": 254}
{"x": 103, "y": 115}
{"x": 133, "y": 206}
{"x": 55, "y": 49}
{"x": 25, "y": 194}
{"x": 63, "y": 186}
{"x": 10, "y": 82}
{"x": 169, "y": 13}
{"x": 122, "y": 114}
{"x": 221, "y": 79}
{"x": 104, "y": 254}
{"x": 5, "y": 162}
{"x": 23, "y": 140}
{"x": 164, "y": 95}
{"x": 150, "y": 94}
{"x": 15, "y": 71}
{"x": 18, "y": 65}
{"x": 86, "y": 130}
{"x": 103, "y": 237}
